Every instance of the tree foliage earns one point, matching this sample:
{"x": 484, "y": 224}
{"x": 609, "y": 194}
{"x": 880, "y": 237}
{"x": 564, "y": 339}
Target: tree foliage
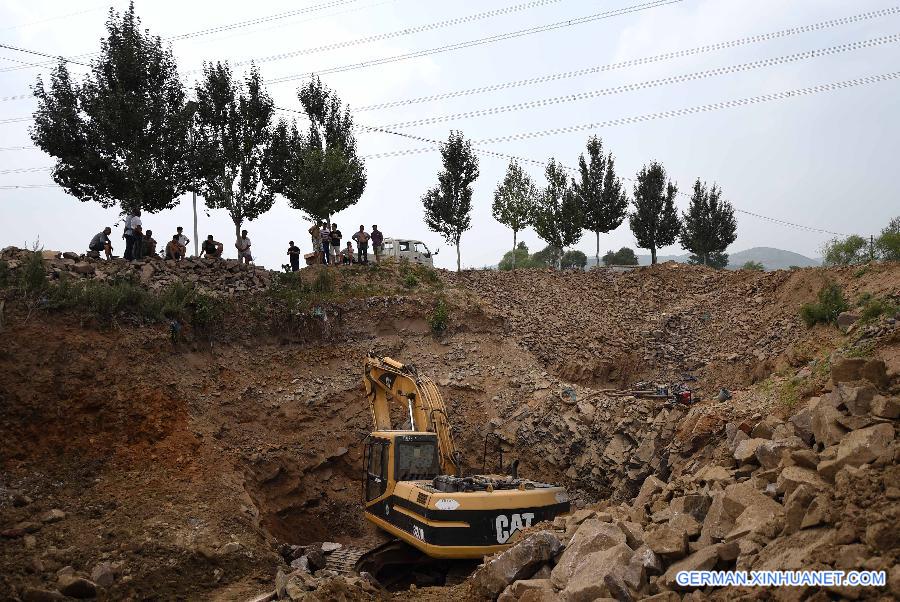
{"x": 573, "y": 259}
{"x": 847, "y": 251}
{"x": 521, "y": 259}
{"x": 828, "y": 306}
{"x": 654, "y": 220}
{"x": 121, "y": 136}
{"x": 603, "y": 202}
{"x": 753, "y": 266}
{"x": 548, "y": 257}
{"x": 557, "y": 214}
{"x": 319, "y": 172}
{"x": 448, "y": 206}
{"x": 232, "y": 141}
{"x": 514, "y": 199}
{"x": 624, "y": 256}
{"x": 709, "y": 226}
{"x": 887, "y": 245}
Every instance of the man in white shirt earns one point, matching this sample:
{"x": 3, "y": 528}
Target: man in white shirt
{"x": 131, "y": 220}
{"x": 243, "y": 248}
{"x": 183, "y": 240}
{"x": 137, "y": 232}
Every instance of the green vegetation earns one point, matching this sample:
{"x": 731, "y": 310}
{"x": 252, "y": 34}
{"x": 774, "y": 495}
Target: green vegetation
{"x": 624, "y": 256}
{"x": 887, "y": 245}
{"x": 708, "y": 227}
{"x": 831, "y": 302}
{"x": 654, "y": 221}
{"x": 410, "y": 281}
{"x": 875, "y": 308}
{"x": 604, "y": 204}
{"x": 440, "y": 317}
{"x": 848, "y": 251}
{"x": 753, "y": 266}
{"x": 514, "y": 199}
{"x": 573, "y": 259}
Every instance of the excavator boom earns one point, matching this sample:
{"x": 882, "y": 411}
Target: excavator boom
{"x": 388, "y": 382}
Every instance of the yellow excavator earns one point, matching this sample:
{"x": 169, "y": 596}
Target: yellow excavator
{"x": 413, "y": 484}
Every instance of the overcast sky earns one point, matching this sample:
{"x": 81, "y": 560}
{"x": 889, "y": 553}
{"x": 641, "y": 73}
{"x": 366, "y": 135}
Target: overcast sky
{"x": 825, "y": 160}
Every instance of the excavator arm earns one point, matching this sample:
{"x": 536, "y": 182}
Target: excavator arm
{"x": 388, "y": 381}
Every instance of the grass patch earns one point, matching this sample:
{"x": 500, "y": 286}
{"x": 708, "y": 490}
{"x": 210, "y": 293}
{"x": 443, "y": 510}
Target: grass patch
{"x": 440, "y": 317}
{"x": 875, "y": 308}
{"x": 830, "y": 304}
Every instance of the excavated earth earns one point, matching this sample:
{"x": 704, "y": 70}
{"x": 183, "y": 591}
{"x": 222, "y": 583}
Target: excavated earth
{"x": 135, "y": 468}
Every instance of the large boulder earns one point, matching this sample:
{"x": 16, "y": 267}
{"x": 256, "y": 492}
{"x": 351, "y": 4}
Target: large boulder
{"x": 667, "y": 541}
{"x": 529, "y": 590}
{"x": 857, "y": 399}
{"x": 875, "y": 371}
{"x": 802, "y": 423}
{"x": 792, "y": 477}
{"x": 518, "y": 562}
{"x": 771, "y": 453}
{"x": 695, "y": 504}
{"x": 77, "y": 587}
{"x": 886, "y": 407}
{"x": 825, "y": 419}
{"x": 650, "y": 487}
{"x": 590, "y": 580}
{"x": 746, "y": 450}
{"x": 593, "y": 535}
{"x": 846, "y": 369}
{"x": 701, "y": 560}
{"x": 857, "y": 448}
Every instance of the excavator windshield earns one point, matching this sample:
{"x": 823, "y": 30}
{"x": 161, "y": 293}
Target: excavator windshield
{"x": 417, "y": 460}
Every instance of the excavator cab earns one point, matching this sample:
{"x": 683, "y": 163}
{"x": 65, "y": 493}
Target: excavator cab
{"x": 413, "y": 487}
{"x": 391, "y": 457}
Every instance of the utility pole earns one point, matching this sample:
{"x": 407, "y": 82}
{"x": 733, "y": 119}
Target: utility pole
{"x": 871, "y": 247}
{"x": 196, "y": 237}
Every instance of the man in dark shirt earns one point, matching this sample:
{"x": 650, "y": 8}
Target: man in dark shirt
{"x": 150, "y": 245}
{"x": 101, "y": 242}
{"x": 377, "y": 239}
{"x": 212, "y": 248}
{"x": 335, "y": 244}
{"x": 294, "y": 255}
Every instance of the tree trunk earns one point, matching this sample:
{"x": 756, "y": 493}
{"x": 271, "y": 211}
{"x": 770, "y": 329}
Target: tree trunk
{"x": 514, "y": 251}
{"x": 457, "y": 256}
{"x": 652, "y": 255}
{"x": 597, "y": 256}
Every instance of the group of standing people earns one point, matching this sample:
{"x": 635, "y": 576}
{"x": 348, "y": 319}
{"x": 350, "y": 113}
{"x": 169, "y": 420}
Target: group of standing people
{"x": 326, "y": 241}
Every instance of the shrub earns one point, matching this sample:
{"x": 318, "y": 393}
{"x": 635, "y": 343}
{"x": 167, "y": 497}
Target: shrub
{"x": 847, "y": 251}
{"x": 753, "y": 266}
{"x": 830, "y": 303}
{"x": 410, "y": 281}
{"x": 324, "y": 282}
{"x": 440, "y": 317}
{"x": 875, "y": 308}
{"x": 32, "y": 276}
{"x": 888, "y": 242}
{"x": 573, "y": 259}
{"x": 4, "y": 274}
{"x": 624, "y": 256}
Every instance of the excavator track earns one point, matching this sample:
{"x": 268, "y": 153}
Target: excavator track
{"x": 343, "y": 561}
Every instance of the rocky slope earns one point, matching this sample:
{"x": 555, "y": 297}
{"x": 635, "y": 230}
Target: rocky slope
{"x": 148, "y": 469}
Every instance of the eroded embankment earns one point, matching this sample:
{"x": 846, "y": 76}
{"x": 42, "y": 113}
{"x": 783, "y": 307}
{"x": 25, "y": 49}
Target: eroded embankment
{"x": 183, "y": 466}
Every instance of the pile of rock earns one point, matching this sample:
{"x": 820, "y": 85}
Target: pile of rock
{"x": 308, "y": 579}
{"x": 818, "y": 491}
{"x": 670, "y": 318}
{"x": 214, "y": 276}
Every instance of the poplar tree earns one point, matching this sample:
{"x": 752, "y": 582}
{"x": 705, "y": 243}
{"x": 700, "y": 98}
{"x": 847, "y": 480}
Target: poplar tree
{"x": 233, "y": 138}
{"x": 604, "y": 204}
{"x": 557, "y": 216}
{"x": 708, "y": 226}
{"x": 448, "y": 206}
{"x": 654, "y": 220}
{"x": 120, "y": 137}
{"x": 318, "y": 170}
{"x": 513, "y": 202}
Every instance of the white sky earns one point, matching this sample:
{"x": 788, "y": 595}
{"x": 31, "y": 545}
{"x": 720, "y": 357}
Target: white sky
{"x": 825, "y": 160}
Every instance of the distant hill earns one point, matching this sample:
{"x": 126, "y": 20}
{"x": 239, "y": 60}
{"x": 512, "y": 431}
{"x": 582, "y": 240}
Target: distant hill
{"x": 771, "y": 258}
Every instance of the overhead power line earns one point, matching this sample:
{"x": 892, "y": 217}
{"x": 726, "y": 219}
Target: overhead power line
{"x": 54, "y": 18}
{"x": 25, "y": 170}
{"x": 402, "y": 32}
{"x": 16, "y": 148}
{"x": 635, "y": 62}
{"x": 664, "y": 114}
{"x": 260, "y": 20}
{"x": 480, "y": 41}
{"x": 16, "y": 97}
{"x": 62, "y": 58}
{"x": 15, "y": 120}
{"x": 665, "y": 81}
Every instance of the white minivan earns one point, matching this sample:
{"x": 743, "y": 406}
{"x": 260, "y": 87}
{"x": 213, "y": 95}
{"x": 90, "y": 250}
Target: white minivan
{"x": 403, "y": 248}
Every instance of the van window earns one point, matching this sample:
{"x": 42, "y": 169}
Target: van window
{"x": 389, "y": 246}
{"x": 420, "y": 248}
{"x": 404, "y": 245}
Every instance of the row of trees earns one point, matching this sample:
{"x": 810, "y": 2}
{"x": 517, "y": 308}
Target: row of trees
{"x": 855, "y": 249}
{"x": 594, "y": 200}
{"x": 128, "y": 136}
